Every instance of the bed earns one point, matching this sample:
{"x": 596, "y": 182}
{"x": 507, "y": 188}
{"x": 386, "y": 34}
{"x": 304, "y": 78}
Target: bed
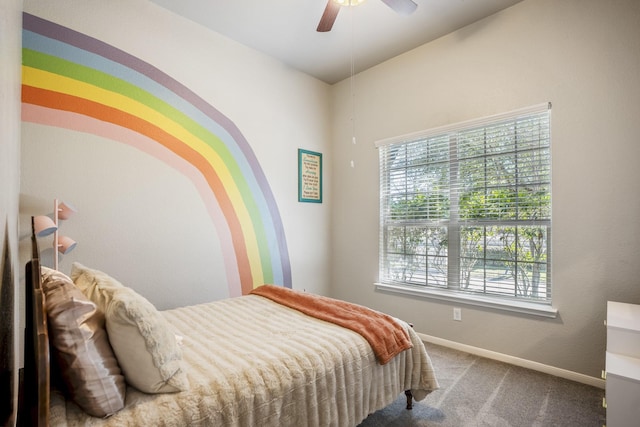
{"x": 244, "y": 361}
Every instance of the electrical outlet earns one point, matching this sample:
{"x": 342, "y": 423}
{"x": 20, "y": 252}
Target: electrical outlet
{"x": 457, "y": 314}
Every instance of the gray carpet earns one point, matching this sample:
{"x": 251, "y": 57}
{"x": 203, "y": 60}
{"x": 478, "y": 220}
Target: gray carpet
{"x": 475, "y": 391}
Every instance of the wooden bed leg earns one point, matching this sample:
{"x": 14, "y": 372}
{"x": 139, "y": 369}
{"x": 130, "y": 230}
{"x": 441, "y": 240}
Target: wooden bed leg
{"x": 409, "y": 399}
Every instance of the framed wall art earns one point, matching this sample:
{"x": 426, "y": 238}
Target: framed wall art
{"x": 309, "y": 176}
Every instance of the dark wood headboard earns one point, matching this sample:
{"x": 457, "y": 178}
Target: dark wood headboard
{"x": 33, "y": 406}
{"x": 7, "y": 332}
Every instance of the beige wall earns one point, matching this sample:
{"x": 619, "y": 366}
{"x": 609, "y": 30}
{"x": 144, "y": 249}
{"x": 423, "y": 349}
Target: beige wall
{"x": 584, "y": 57}
{"x": 10, "y": 57}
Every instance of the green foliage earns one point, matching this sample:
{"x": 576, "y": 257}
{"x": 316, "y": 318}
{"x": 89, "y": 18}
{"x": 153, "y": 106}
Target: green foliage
{"x": 434, "y": 206}
{"x": 523, "y": 204}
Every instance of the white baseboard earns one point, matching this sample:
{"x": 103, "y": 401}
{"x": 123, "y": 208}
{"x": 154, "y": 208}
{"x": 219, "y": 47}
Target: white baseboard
{"x": 524, "y": 363}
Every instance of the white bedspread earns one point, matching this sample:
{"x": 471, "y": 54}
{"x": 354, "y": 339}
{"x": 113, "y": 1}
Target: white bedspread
{"x": 253, "y": 362}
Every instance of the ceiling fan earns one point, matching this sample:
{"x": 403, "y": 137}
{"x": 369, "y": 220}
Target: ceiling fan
{"x": 404, "y": 7}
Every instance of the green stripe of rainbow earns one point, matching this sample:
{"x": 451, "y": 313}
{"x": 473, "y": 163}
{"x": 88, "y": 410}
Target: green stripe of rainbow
{"x": 89, "y": 83}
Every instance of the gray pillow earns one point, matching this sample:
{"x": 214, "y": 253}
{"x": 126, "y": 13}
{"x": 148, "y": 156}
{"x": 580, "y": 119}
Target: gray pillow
{"x": 80, "y": 347}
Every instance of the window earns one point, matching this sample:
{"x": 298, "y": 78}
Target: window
{"x": 465, "y": 210}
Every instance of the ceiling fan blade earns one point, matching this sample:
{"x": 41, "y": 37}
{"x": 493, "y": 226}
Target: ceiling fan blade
{"x": 404, "y": 7}
{"x": 328, "y": 17}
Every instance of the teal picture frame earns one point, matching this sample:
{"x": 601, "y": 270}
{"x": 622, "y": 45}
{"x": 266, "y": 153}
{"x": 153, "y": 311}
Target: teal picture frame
{"x": 309, "y": 176}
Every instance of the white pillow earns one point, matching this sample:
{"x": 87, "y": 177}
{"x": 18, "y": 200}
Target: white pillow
{"x": 142, "y": 340}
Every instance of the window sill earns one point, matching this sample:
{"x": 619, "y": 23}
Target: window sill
{"x": 530, "y": 308}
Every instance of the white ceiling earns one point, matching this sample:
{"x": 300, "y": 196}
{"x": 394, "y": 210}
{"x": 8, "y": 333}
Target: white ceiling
{"x": 367, "y": 34}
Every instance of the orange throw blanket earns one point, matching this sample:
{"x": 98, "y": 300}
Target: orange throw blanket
{"x": 386, "y": 336}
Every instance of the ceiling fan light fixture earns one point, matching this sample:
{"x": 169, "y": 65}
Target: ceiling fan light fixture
{"x": 403, "y": 7}
{"x": 349, "y": 2}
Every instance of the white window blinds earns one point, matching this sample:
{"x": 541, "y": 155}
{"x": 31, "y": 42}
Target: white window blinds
{"x": 467, "y": 207}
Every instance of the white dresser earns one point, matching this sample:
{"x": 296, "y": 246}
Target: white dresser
{"x": 623, "y": 365}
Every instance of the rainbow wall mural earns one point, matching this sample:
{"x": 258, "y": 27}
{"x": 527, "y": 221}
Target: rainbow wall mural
{"x": 76, "y": 82}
